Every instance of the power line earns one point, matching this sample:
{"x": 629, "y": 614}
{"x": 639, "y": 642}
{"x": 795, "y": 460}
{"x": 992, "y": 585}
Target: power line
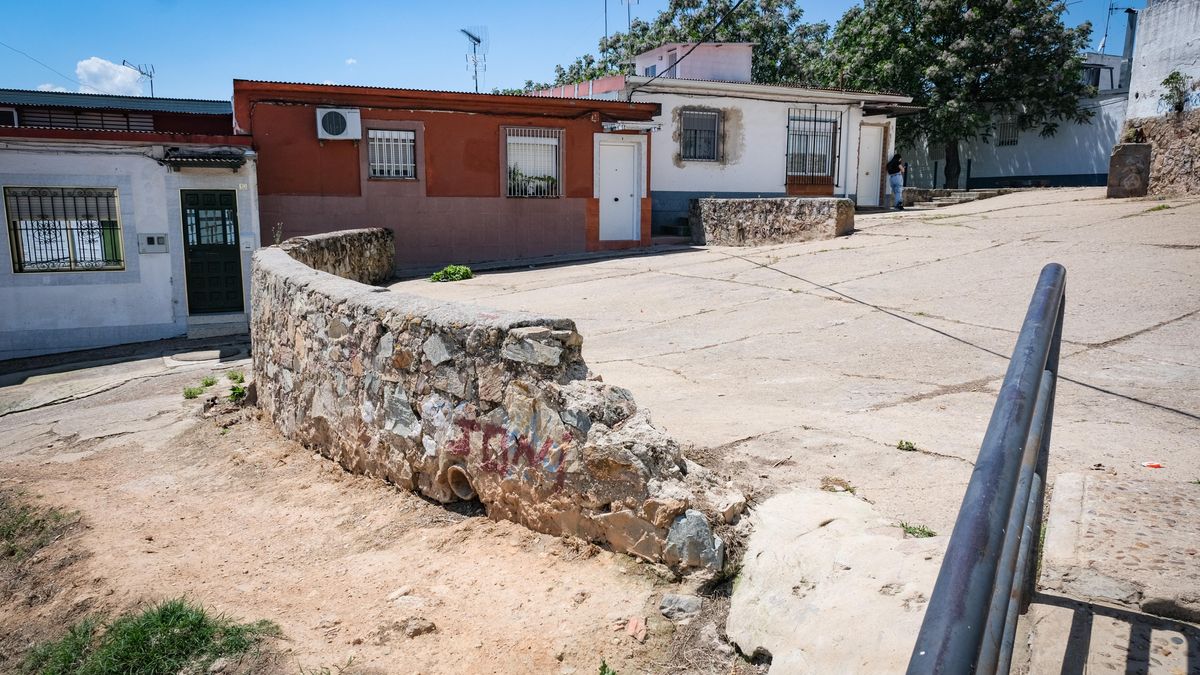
{"x": 31, "y": 58}
{"x": 673, "y": 69}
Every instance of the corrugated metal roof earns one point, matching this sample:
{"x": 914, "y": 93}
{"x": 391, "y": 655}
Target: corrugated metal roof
{"x": 64, "y": 99}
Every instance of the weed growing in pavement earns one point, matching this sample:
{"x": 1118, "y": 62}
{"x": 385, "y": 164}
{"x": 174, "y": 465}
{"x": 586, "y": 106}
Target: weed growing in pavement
{"x": 605, "y": 669}
{"x": 1160, "y": 207}
{"x": 907, "y": 446}
{"x": 917, "y": 531}
{"x": 169, "y": 637}
{"x": 835, "y": 484}
{"x": 452, "y": 273}
{"x": 236, "y": 376}
{"x": 25, "y": 529}
{"x": 237, "y": 393}
{"x": 192, "y": 392}
{"x": 208, "y": 381}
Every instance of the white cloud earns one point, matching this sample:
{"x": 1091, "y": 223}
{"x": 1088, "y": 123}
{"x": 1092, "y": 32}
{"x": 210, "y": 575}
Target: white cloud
{"x": 100, "y": 76}
{"x": 51, "y": 87}
{"x": 351, "y": 61}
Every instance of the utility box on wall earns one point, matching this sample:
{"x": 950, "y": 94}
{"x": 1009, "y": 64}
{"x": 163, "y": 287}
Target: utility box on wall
{"x": 152, "y": 243}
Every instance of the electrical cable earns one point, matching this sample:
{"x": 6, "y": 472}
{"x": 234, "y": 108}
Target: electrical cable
{"x": 712, "y": 31}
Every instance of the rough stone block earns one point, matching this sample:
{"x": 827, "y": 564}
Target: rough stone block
{"x": 1129, "y": 170}
{"x": 774, "y": 220}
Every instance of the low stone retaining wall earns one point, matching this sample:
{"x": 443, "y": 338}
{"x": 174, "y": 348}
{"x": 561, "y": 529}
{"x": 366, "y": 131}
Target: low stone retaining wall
{"x": 460, "y": 402}
{"x": 769, "y": 220}
{"x": 1175, "y": 154}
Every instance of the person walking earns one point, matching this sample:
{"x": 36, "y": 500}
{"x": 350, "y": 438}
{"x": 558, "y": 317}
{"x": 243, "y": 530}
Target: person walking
{"x": 895, "y": 170}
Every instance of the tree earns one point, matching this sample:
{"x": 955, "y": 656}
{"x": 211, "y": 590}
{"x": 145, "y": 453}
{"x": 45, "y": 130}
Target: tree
{"x": 529, "y": 86}
{"x": 968, "y": 63}
{"x": 786, "y": 48}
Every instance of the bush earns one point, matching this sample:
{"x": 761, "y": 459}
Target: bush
{"x": 452, "y": 273}
{"x": 192, "y": 392}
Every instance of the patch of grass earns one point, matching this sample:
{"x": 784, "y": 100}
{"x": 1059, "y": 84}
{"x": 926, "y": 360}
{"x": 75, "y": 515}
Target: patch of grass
{"x": 237, "y": 393}
{"x": 1160, "y": 207}
{"x": 605, "y": 669}
{"x": 208, "y": 381}
{"x": 25, "y": 528}
{"x": 835, "y": 484}
{"x": 192, "y": 392}
{"x": 452, "y": 273}
{"x": 1195, "y": 482}
{"x": 907, "y": 446}
{"x": 167, "y": 638}
{"x": 917, "y": 531}
{"x": 236, "y": 376}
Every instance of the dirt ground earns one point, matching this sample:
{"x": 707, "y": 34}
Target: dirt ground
{"x": 225, "y": 511}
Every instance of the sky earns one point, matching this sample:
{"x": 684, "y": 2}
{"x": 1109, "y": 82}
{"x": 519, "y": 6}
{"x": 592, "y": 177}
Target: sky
{"x": 197, "y": 47}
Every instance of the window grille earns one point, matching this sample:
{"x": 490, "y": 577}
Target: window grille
{"x": 812, "y": 146}
{"x": 1006, "y": 132}
{"x": 700, "y": 137}
{"x": 392, "y": 154}
{"x": 534, "y": 159}
{"x": 86, "y": 119}
{"x": 64, "y": 229}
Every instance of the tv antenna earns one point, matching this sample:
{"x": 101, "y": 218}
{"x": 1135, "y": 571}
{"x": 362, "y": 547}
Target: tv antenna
{"x": 145, "y": 72}
{"x": 1112, "y": 9}
{"x": 477, "y": 36}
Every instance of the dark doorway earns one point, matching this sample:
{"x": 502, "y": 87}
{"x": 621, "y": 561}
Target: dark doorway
{"x": 210, "y": 251}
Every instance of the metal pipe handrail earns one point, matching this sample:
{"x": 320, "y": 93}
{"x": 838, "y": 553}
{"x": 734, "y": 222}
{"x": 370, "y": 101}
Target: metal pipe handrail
{"x": 985, "y": 577}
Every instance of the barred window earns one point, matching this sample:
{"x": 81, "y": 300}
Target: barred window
{"x": 1006, "y": 132}
{"x": 811, "y": 146}
{"x": 392, "y": 154}
{"x": 64, "y": 229}
{"x": 700, "y": 135}
{"x": 534, "y": 159}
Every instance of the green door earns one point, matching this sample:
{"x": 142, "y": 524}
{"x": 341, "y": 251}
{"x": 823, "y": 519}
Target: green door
{"x": 210, "y": 251}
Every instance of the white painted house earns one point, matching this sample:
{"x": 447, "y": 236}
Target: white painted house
{"x": 1170, "y": 31}
{"x": 1076, "y": 155}
{"x": 126, "y": 219}
{"x": 721, "y": 135}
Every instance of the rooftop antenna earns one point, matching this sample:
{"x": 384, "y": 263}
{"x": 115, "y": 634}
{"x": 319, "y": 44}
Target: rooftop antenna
{"x": 1112, "y": 8}
{"x": 145, "y": 72}
{"x": 477, "y": 60}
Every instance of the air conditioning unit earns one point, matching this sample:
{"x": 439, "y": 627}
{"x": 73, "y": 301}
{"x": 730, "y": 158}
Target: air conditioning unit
{"x": 338, "y": 124}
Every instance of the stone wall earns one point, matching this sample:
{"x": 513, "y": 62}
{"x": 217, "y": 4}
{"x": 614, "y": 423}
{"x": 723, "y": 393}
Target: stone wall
{"x": 773, "y": 220}
{"x": 1175, "y": 154}
{"x": 364, "y": 256}
{"x": 460, "y": 402}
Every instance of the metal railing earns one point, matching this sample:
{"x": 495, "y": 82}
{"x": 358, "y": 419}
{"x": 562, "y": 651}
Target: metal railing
{"x": 988, "y": 573}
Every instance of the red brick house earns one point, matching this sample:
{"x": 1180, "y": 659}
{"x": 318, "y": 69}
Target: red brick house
{"x": 460, "y": 178}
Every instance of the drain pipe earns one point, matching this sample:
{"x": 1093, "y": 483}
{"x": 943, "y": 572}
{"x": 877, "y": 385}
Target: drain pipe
{"x": 460, "y": 482}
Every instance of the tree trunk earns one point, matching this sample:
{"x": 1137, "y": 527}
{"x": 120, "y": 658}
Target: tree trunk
{"x": 952, "y": 167}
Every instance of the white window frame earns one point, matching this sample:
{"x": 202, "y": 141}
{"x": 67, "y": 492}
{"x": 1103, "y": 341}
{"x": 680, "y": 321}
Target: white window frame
{"x": 529, "y": 170}
{"x": 392, "y": 154}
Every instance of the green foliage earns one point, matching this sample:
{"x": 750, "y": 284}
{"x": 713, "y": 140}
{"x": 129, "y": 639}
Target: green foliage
{"x": 1177, "y": 85}
{"x": 605, "y": 669}
{"x": 237, "y": 393}
{"x": 967, "y": 64}
{"x": 192, "y": 392}
{"x": 25, "y": 528}
{"x": 208, "y": 381}
{"x": 1160, "y": 207}
{"x": 917, "y": 531}
{"x": 528, "y": 87}
{"x": 236, "y": 376}
{"x": 452, "y": 273}
{"x": 786, "y": 49}
{"x": 165, "y": 639}
{"x": 907, "y": 446}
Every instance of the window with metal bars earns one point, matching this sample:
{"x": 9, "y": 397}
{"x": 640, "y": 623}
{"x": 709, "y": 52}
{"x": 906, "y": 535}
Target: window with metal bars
{"x": 64, "y": 229}
{"x": 392, "y": 154}
{"x": 533, "y": 156}
{"x": 1007, "y": 132}
{"x": 700, "y": 135}
{"x": 812, "y": 152}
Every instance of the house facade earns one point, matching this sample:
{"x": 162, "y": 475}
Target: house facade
{"x": 126, "y": 219}
{"x": 721, "y": 135}
{"x": 459, "y": 178}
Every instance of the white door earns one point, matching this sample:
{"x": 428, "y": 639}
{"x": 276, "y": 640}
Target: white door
{"x": 870, "y": 164}
{"x": 619, "y": 208}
